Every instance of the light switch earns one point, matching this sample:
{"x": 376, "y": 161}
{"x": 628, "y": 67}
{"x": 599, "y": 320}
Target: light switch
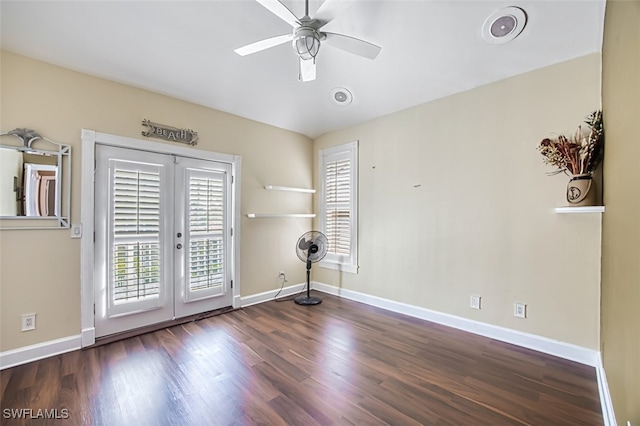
{"x": 76, "y": 231}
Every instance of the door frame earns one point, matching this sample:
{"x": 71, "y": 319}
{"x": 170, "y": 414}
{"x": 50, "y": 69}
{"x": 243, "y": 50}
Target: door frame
{"x": 89, "y": 140}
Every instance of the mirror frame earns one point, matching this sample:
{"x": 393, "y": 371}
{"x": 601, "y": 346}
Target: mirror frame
{"x": 63, "y": 185}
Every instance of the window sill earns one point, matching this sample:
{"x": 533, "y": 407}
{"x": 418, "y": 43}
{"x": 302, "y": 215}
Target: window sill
{"x": 343, "y": 267}
{"x": 276, "y": 215}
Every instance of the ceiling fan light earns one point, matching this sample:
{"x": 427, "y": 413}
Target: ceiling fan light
{"x": 306, "y": 43}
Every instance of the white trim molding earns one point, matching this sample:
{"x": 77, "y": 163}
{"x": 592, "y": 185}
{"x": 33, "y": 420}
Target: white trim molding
{"x": 88, "y": 336}
{"x": 38, "y": 351}
{"x": 266, "y": 296}
{"x": 531, "y": 341}
{"x": 605, "y": 397}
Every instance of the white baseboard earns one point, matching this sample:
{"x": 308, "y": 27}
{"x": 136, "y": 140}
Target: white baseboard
{"x": 88, "y": 336}
{"x": 269, "y": 295}
{"x": 237, "y": 302}
{"x": 605, "y": 397}
{"x": 38, "y": 351}
{"x": 538, "y": 343}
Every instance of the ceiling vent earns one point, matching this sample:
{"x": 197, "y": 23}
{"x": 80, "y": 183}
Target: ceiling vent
{"x": 341, "y": 96}
{"x": 504, "y": 25}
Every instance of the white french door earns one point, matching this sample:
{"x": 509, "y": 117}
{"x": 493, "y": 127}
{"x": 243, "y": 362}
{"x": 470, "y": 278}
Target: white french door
{"x": 202, "y": 214}
{"x": 162, "y": 238}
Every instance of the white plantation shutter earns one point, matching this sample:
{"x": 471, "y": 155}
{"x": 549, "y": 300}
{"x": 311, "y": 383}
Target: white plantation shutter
{"x": 338, "y": 206}
{"x": 206, "y": 219}
{"x": 135, "y": 240}
{"x": 338, "y": 217}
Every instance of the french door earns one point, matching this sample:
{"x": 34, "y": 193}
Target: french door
{"x": 162, "y": 238}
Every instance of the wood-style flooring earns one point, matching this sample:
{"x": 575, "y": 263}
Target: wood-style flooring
{"x": 340, "y": 362}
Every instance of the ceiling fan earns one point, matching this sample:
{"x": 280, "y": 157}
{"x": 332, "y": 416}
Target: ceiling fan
{"x": 307, "y": 37}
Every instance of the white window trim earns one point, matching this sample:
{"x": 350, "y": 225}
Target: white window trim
{"x": 350, "y": 263}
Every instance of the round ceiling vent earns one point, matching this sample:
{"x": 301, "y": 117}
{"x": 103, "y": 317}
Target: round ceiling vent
{"x": 341, "y": 96}
{"x": 504, "y": 25}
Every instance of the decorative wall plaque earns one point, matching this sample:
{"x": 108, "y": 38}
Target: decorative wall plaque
{"x": 168, "y": 133}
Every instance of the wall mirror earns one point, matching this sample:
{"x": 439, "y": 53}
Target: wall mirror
{"x": 35, "y": 181}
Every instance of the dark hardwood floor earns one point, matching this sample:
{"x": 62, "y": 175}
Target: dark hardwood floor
{"x": 340, "y": 362}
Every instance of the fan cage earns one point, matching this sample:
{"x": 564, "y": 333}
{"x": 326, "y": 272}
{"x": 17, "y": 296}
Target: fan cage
{"x": 305, "y": 242}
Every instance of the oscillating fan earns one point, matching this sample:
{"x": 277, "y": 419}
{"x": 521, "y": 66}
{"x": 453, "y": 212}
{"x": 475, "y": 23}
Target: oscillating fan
{"x": 311, "y": 248}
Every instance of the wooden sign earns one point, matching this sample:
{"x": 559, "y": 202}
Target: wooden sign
{"x": 168, "y": 133}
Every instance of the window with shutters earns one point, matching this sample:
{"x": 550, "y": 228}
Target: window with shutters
{"x": 136, "y": 234}
{"x": 206, "y": 230}
{"x": 338, "y": 205}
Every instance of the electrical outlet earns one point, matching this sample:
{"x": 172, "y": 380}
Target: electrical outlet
{"x": 28, "y": 322}
{"x": 520, "y": 310}
{"x": 475, "y": 302}
{"x": 281, "y": 274}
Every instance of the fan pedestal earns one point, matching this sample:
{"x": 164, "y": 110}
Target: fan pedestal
{"x": 308, "y": 300}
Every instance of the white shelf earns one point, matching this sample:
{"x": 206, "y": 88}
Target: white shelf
{"x": 289, "y": 188}
{"x": 585, "y": 209}
{"x": 273, "y": 215}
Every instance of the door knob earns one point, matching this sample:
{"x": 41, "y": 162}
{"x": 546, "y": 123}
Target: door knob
{"x": 179, "y": 246}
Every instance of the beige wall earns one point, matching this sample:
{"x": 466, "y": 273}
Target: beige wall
{"x": 58, "y": 103}
{"x": 620, "y": 342}
{"x": 482, "y": 220}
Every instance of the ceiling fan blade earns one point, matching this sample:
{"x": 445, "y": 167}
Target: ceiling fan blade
{"x": 263, "y": 44}
{"x": 330, "y": 10}
{"x": 352, "y": 45}
{"x": 307, "y": 70}
{"x": 281, "y": 11}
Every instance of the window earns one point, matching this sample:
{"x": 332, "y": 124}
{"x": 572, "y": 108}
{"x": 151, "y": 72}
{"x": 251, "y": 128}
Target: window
{"x": 338, "y": 206}
{"x": 136, "y": 228}
{"x": 206, "y": 230}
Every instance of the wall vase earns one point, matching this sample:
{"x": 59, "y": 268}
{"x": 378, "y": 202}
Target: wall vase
{"x": 581, "y": 190}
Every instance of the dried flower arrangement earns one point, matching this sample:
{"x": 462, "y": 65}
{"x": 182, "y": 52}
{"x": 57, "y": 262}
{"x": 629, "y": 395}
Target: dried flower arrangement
{"x": 579, "y": 153}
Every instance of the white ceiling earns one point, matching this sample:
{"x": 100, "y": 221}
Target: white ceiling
{"x": 430, "y": 49}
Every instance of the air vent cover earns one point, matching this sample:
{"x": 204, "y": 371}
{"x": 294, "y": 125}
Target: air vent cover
{"x": 341, "y": 96}
{"x": 504, "y": 25}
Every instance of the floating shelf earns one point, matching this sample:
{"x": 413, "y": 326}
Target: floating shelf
{"x": 273, "y": 215}
{"x": 585, "y": 209}
{"x": 289, "y": 188}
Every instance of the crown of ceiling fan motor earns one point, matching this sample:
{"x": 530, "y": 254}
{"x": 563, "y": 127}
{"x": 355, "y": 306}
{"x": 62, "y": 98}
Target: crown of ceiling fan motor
{"x": 306, "y": 42}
